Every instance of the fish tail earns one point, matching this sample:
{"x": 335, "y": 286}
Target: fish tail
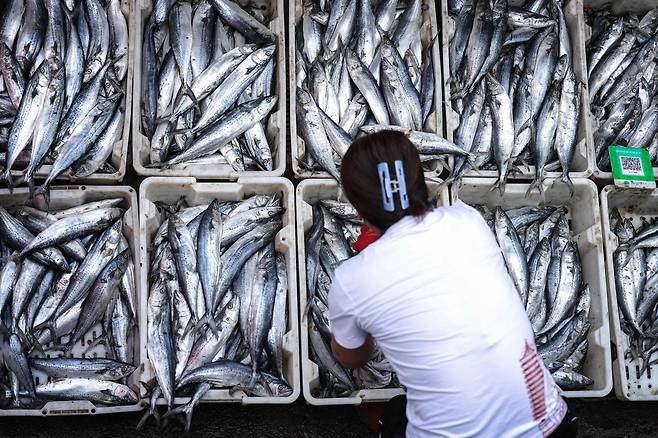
{"x": 471, "y": 158}
{"x": 43, "y": 191}
{"x": 500, "y": 184}
{"x": 98, "y": 341}
{"x": 8, "y": 179}
{"x": 565, "y": 179}
{"x": 151, "y": 412}
{"x": 212, "y": 325}
{"x": 12, "y": 257}
{"x": 536, "y": 185}
{"x": 34, "y": 342}
{"x": 186, "y": 409}
{"x": 187, "y": 90}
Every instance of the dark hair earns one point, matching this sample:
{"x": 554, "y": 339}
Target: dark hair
{"x": 361, "y": 181}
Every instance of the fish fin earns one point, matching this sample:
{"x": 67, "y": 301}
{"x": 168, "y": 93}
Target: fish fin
{"x": 471, "y": 157}
{"x": 565, "y": 179}
{"x": 150, "y": 385}
{"x": 187, "y": 90}
{"x": 233, "y": 389}
{"x": 11, "y": 258}
{"x": 44, "y": 191}
{"x": 515, "y": 170}
{"x": 191, "y": 324}
{"x": 535, "y": 185}
{"x": 98, "y": 341}
{"x": 165, "y": 118}
{"x": 206, "y": 320}
{"x": 34, "y": 342}
{"x": 213, "y": 325}
{"x": 30, "y": 180}
{"x": 149, "y": 412}
{"x": 263, "y": 381}
{"x": 8, "y": 179}
{"x": 187, "y": 410}
{"x": 500, "y": 184}
{"x": 630, "y": 249}
{"x": 21, "y": 334}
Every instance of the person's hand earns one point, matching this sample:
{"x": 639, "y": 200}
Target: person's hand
{"x": 367, "y": 236}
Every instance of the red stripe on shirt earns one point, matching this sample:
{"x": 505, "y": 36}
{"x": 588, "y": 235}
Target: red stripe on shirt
{"x": 533, "y": 376}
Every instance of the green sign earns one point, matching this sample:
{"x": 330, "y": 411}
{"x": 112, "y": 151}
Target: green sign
{"x": 631, "y": 167}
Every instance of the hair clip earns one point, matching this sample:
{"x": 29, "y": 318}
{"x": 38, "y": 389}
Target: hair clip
{"x": 389, "y": 187}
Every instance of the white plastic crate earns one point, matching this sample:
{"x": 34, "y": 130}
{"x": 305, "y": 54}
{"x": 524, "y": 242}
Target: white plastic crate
{"x": 639, "y": 7}
{"x": 629, "y": 384}
{"x": 582, "y": 164}
{"x": 170, "y": 190}
{"x": 309, "y": 192}
{"x": 583, "y": 213}
{"x": 72, "y": 196}
{"x": 435, "y": 119}
{"x": 119, "y": 154}
{"x": 275, "y": 129}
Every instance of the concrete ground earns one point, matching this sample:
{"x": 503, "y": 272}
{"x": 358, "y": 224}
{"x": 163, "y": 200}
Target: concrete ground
{"x": 606, "y": 418}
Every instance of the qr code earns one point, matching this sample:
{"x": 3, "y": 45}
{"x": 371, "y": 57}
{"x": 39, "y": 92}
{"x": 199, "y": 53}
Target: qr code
{"x": 631, "y": 166}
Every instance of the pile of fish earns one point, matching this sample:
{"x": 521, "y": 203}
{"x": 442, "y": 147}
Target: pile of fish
{"x": 514, "y": 88}
{"x": 64, "y": 67}
{"x": 67, "y": 288}
{"x": 636, "y": 280}
{"x": 217, "y": 302}
{"x": 544, "y": 264}
{"x": 207, "y": 84}
{"x": 622, "y": 61}
{"x": 356, "y": 65}
{"x": 336, "y": 226}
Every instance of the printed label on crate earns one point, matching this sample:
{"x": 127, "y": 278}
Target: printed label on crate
{"x": 631, "y": 167}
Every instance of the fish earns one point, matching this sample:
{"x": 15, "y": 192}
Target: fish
{"x": 365, "y": 58}
{"x": 560, "y": 319}
{"x": 104, "y": 291}
{"x": 97, "y": 391}
{"x": 97, "y": 368}
{"x": 322, "y": 239}
{"x": 503, "y": 129}
{"x": 72, "y": 227}
{"x": 513, "y": 253}
{"x": 241, "y": 279}
{"x": 630, "y": 274}
{"x": 279, "y": 325}
{"x": 54, "y": 63}
{"x": 229, "y": 374}
{"x": 621, "y": 65}
{"x": 209, "y": 91}
{"x": 508, "y": 55}
{"x": 45, "y": 301}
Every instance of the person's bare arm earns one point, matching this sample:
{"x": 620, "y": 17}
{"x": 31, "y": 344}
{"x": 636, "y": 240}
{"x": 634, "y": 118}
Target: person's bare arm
{"x": 353, "y": 357}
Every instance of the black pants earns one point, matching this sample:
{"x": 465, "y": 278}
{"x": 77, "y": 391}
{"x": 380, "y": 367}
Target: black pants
{"x": 393, "y": 423}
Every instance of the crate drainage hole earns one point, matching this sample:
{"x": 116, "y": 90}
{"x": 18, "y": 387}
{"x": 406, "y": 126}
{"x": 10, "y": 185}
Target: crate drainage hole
{"x": 44, "y": 412}
{"x": 93, "y": 411}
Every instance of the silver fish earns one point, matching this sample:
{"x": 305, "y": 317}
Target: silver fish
{"x": 98, "y": 391}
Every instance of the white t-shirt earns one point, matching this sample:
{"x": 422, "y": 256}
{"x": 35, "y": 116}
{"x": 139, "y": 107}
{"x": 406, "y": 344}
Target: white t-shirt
{"x": 436, "y": 296}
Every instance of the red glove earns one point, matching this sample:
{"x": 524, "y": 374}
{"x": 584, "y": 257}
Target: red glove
{"x": 367, "y": 236}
